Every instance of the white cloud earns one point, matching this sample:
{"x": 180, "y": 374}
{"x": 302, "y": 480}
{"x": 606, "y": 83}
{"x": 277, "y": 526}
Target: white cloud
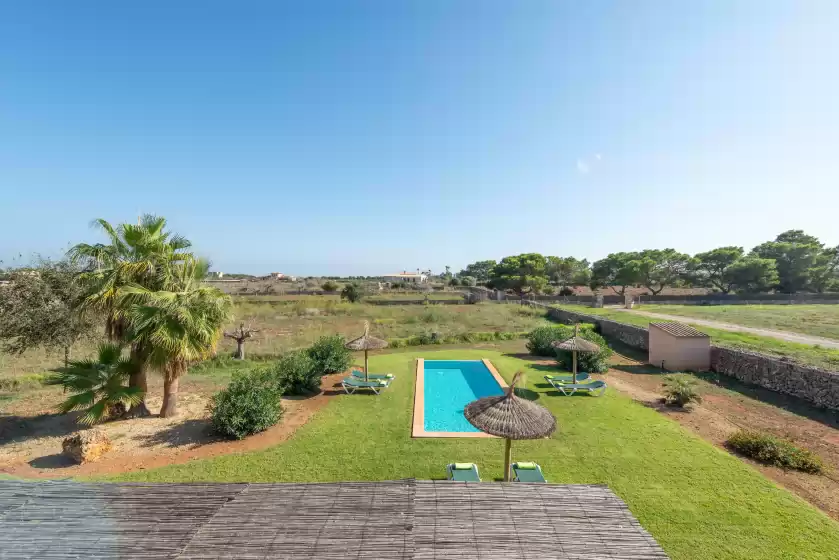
{"x": 598, "y": 156}
{"x": 582, "y": 166}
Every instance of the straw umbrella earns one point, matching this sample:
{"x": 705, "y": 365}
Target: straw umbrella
{"x": 576, "y": 344}
{"x": 510, "y": 417}
{"x": 366, "y": 342}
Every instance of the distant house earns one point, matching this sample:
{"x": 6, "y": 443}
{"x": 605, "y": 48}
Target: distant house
{"x": 283, "y": 277}
{"x": 409, "y": 277}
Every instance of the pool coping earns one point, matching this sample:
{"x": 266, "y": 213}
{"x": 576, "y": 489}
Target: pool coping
{"x": 418, "y": 428}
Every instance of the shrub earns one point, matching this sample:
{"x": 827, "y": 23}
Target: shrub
{"x": 352, "y": 293}
{"x": 592, "y": 362}
{"x": 249, "y": 405}
{"x": 539, "y": 340}
{"x": 774, "y": 451}
{"x": 329, "y": 286}
{"x": 294, "y": 373}
{"x": 329, "y": 355}
{"x": 679, "y": 391}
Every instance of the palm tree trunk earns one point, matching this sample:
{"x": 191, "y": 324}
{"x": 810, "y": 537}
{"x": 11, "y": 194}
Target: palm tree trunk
{"x": 170, "y": 396}
{"x": 138, "y": 379}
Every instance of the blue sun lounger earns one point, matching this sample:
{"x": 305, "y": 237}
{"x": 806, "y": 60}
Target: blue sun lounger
{"x": 351, "y": 385}
{"x": 463, "y": 472}
{"x": 527, "y": 472}
{"x": 371, "y": 376}
{"x": 565, "y": 379}
{"x": 595, "y": 388}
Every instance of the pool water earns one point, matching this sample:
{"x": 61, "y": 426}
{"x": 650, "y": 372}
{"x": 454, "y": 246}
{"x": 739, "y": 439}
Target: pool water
{"x": 449, "y": 387}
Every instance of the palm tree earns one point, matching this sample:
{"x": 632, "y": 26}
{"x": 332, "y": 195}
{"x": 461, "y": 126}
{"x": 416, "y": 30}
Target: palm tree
{"x": 176, "y": 326}
{"x": 98, "y": 385}
{"x": 144, "y": 255}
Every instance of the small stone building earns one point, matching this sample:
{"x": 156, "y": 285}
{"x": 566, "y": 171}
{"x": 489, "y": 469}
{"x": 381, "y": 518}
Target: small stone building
{"x": 679, "y": 347}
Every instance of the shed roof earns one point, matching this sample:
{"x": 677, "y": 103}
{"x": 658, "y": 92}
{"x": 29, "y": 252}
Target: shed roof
{"x": 395, "y": 520}
{"x": 680, "y": 330}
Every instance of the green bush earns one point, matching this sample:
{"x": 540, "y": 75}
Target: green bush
{"x": 539, "y": 340}
{"x": 329, "y": 286}
{"x": 294, "y": 373}
{"x": 352, "y": 293}
{"x": 592, "y": 362}
{"x": 680, "y": 390}
{"x": 770, "y": 450}
{"x": 249, "y": 405}
{"x": 329, "y": 355}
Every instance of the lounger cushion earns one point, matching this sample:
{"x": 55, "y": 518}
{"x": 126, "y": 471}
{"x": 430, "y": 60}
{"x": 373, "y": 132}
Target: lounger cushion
{"x": 526, "y": 465}
{"x": 463, "y": 466}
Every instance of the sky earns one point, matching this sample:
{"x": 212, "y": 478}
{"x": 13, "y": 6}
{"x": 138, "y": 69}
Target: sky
{"x": 367, "y": 137}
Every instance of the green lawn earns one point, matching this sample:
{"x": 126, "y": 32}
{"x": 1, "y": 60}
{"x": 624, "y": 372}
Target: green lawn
{"x": 696, "y": 500}
{"x": 817, "y": 356}
{"x": 815, "y": 320}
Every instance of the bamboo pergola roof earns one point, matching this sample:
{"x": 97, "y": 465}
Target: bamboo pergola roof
{"x": 408, "y": 519}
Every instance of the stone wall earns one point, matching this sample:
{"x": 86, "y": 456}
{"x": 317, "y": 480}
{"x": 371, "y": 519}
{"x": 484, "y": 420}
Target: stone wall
{"x": 818, "y": 386}
{"x": 637, "y": 337}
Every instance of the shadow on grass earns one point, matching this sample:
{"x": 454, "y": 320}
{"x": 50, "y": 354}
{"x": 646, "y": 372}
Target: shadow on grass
{"x": 642, "y": 369}
{"x": 15, "y": 428}
{"x": 527, "y": 394}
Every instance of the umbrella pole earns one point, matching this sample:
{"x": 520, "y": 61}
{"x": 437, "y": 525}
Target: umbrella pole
{"x": 507, "y": 455}
{"x": 365, "y": 365}
{"x": 574, "y": 370}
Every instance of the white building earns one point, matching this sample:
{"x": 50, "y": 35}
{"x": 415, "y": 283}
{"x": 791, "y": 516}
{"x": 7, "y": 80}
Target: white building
{"x": 410, "y": 277}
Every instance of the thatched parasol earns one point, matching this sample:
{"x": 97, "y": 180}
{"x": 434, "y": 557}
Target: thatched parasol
{"x": 576, "y": 344}
{"x": 366, "y": 342}
{"x": 510, "y": 417}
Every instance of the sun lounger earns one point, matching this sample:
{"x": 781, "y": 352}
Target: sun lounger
{"x": 351, "y": 385}
{"x": 372, "y": 376}
{"x": 463, "y": 472}
{"x": 564, "y": 379}
{"x": 595, "y": 388}
{"x": 527, "y": 472}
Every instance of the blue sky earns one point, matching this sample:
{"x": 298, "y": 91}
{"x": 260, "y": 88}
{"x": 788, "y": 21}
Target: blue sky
{"x": 366, "y": 137}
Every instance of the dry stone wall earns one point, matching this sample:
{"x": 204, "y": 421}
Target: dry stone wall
{"x": 818, "y": 386}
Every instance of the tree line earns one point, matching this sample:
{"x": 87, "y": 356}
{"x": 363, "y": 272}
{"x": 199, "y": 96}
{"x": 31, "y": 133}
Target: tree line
{"x": 792, "y": 262}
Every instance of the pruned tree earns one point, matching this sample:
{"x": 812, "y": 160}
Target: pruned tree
{"x": 523, "y": 274}
{"x": 659, "y": 268}
{"x": 240, "y": 335}
{"x": 796, "y": 254}
{"x": 479, "y": 270}
{"x": 40, "y": 308}
{"x": 752, "y": 275}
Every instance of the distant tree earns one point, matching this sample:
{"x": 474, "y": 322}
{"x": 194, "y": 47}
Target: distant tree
{"x": 448, "y": 274}
{"x": 751, "y": 275}
{"x": 454, "y": 281}
{"x": 659, "y": 268}
{"x": 618, "y": 271}
{"x": 98, "y": 385}
{"x": 522, "y": 274}
{"x": 568, "y": 271}
{"x": 329, "y": 286}
{"x": 824, "y": 275}
{"x": 480, "y": 270}
{"x": 352, "y": 292}
{"x": 795, "y": 253}
{"x": 709, "y": 268}
{"x": 240, "y": 335}
{"x": 40, "y": 308}
{"x": 468, "y": 281}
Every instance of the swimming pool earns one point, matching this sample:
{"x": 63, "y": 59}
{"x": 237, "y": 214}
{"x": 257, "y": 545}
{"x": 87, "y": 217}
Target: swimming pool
{"x": 444, "y": 388}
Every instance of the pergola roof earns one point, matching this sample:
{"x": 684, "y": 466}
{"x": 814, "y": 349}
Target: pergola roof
{"x": 406, "y": 519}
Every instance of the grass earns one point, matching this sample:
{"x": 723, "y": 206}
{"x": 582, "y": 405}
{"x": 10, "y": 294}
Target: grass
{"x": 814, "y": 320}
{"x": 287, "y": 324}
{"x": 698, "y": 501}
{"x": 817, "y": 356}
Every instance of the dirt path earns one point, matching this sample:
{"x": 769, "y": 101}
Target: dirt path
{"x": 781, "y": 335}
{"x": 724, "y": 412}
{"x": 148, "y": 443}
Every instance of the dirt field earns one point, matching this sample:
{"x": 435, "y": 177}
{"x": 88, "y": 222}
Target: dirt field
{"x": 32, "y": 434}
